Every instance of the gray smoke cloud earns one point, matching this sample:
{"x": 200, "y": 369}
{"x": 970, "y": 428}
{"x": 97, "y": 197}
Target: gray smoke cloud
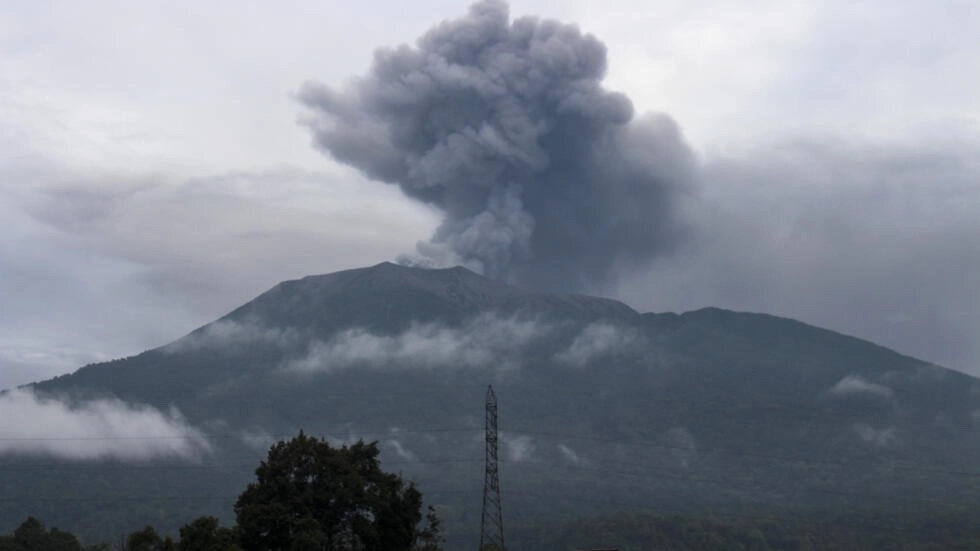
{"x": 544, "y": 177}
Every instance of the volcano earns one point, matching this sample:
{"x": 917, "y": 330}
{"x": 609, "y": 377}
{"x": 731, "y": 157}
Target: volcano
{"x": 601, "y": 408}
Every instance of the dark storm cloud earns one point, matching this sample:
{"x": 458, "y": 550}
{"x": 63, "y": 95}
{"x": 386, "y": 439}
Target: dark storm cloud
{"x": 544, "y": 177}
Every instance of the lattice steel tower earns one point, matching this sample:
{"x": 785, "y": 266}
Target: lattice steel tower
{"x": 492, "y": 523}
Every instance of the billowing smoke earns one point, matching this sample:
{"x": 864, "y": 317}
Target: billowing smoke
{"x": 544, "y": 176}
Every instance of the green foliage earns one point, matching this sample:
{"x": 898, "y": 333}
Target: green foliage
{"x": 32, "y": 536}
{"x": 705, "y": 411}
{"x": 622, "y": 531}
{"x": 428, "y": 538}
{"x": 147, "y": 539}
{"x": 204, "y": 534}
{"x": 309, "y": 495}
{"x": 640, "y": 532}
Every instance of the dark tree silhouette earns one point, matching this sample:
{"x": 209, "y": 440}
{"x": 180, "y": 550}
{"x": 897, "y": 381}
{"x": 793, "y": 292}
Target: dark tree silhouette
{"x": 148, "y": 539}
{"x": 309, "y": 495}
{"x": 32, "y": 536}
{"x": 204, "y": 534}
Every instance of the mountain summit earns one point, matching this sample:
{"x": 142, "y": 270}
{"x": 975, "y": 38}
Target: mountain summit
{"x": 708, "y": 410}
{"x": 389, "y": 295}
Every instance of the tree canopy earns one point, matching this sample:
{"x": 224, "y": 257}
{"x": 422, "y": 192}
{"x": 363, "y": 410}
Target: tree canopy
{"x": 310, "y": 495}
{"x": 307, "y": 496}
{"x": 31, "y": 535}
{"x": 205, "y": 534}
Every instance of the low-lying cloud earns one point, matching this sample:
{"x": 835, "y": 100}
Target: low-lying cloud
{"x": 874, "y": 436}
{"x": 570, "y": 455}
{"x": 596, "y": 340}
{"x": 257, "y": 438}
{"x": 94, "y": 430}
{"x": 486, "y": 340}
{"x": 229, "y": 335}
{"x": 855, "y": 384}
{"x": 400, "y": 450}
{"x": 682, "y": 445}
{"x": 517, "y": 448}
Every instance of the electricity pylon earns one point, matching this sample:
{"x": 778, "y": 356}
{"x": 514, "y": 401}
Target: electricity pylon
{"x": 492, "y": 523}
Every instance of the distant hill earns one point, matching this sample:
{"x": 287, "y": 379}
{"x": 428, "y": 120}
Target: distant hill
{"x": 602, "y": 408}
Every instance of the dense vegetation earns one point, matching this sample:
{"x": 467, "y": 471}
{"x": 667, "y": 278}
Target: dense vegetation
{"x": 32, "y": 535}
{"x": 602, "y": 409}
{"x": 307, "y": 496}
{"x": 642, "y": 532}
{"x": 621, "y": 531}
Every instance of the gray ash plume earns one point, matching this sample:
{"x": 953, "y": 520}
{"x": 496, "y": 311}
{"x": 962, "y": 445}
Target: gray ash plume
{"x": 545, "y": 177}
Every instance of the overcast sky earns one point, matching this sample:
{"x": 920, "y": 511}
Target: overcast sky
{"x": 153, "y": 175}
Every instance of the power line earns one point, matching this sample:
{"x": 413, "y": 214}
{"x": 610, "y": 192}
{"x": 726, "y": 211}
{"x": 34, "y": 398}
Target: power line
{"x": 649, "y": 472}
{"x": 373, "y": 432}
{"x": 792, "y": 459}
{"x": 904, "y": 466}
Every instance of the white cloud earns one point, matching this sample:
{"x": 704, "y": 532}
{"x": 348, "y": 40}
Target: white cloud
{"x": 257, "y": 437}
{"x": 486, "y": 340}
{"x": 683, "y": 447}
{"x": 873, "y": 436}
{"x": 855, "y": 384}
{"x": 192, "y": 93}
{"x": 95, "y": 429}
{"x": 569, "y": 454}
{"x": 229, "y": 335}
{"x": 517, "y": 448}
{"x": 595, "y": 340}
{"x": 349, "y": 439}
{"x": 401, "y": 450}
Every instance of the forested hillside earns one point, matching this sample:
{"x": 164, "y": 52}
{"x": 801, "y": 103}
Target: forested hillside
{"x": 602, "y": 409}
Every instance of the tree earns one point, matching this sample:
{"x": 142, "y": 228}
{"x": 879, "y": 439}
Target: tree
{"x": 204, "y": 534}
{"x": 428, "y": 538}
{"x": 309, "y": 495}
{"x": 147, "y": 539}
{"x": 32, "y": 536}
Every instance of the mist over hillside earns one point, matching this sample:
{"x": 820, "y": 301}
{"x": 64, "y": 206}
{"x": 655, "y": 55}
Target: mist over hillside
{"x": 602, "y": 408}
{"x": 518, "y": 181}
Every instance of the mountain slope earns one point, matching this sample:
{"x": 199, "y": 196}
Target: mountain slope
{"x": 387, "y": 295}
{"x": 601, "y": 407}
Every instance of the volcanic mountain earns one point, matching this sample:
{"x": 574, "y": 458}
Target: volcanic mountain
{"x": 601, "y": 407}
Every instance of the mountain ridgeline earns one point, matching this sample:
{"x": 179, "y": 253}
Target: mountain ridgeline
{"x": 602, "y": 409}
